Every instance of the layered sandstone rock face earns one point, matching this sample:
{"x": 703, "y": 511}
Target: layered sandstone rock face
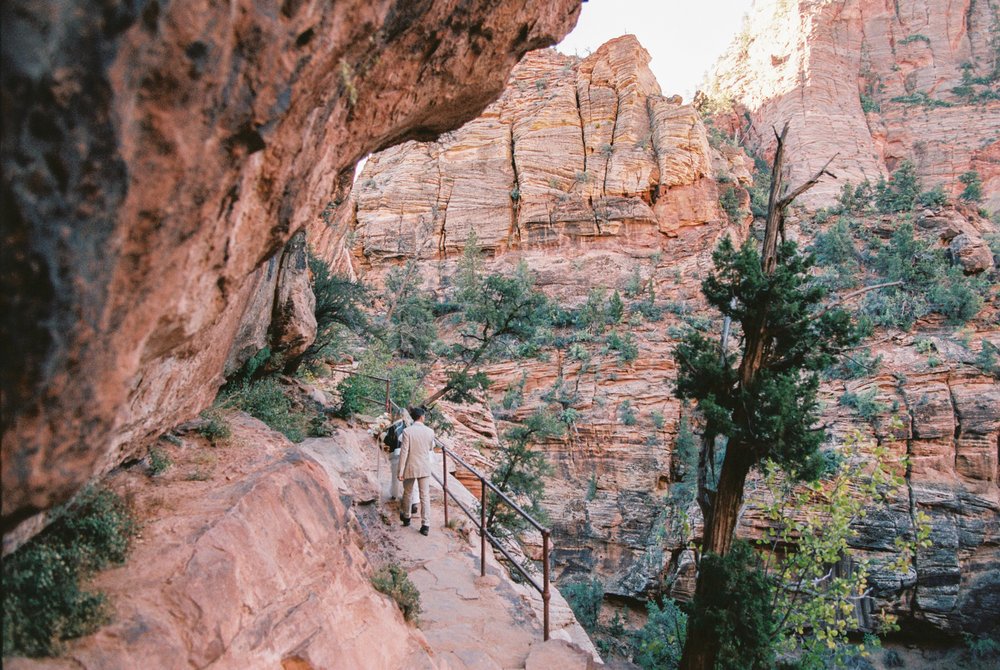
{"x": 572, "y": 151}
{"x": 873, "y": 83}
{"x": 156, "y": 158}
{"x": 592, "y": 214}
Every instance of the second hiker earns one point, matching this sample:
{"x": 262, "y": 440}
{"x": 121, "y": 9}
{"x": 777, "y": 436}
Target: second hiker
{"x": 416, "y": 445}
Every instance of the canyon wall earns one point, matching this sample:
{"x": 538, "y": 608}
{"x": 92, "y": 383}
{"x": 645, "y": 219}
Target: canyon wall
{"x": 157, "y": 157}
{"x": 572, "y": 150}
{"x": 584, "y": 171}
{"x": 873, "y": 83}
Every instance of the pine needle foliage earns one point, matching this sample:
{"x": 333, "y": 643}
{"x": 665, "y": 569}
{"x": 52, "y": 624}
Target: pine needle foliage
{"x": 499, "y": 311}
{"x": 774, "y": 416}
{"x": 521, "y": 472}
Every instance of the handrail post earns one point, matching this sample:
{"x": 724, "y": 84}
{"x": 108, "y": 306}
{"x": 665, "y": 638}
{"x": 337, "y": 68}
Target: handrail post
{"x": 482, "y": 528}
{"x": 546, "y": 595}
{"x": 388, "y": 400}
{"x": 444, "y": 482}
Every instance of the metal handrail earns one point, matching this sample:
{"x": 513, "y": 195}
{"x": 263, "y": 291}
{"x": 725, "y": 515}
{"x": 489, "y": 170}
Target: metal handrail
{"x": 484, "y": 534}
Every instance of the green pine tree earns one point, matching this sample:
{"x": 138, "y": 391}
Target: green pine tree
{"x": 497, "y": 310}
{"x": 521, "y": 472}
{"x": 759, "y": 401}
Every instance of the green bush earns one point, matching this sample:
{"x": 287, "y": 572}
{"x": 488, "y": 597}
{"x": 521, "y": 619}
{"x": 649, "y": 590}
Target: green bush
{"x": 249, "y": 371}
{"x": 869, "y": 104}
{"x": 43, "y": 602}
{"x": 615, "y": 310}
{"x": 921, "y": 99}
{"x": 513, "y": 397}
{"x": 340, "y": 307}
{"x": 986, "y": 359}
{"x": 834, "y": 249}
{"x": 359, "y": 394}
{"x": 929, "y": 284}
{"x": 855, "y": 199}
{"x": 626, "y": 346}
{"x": 936, "y": 197}
{"x": 585, "y": 599}
{"x": 656, "y": 416}
{"x": 215, "y": 427}
{"x": 968, "y": 88}
{"x": 729, "y": 201}
{"x": 635, "y": 284}
{"x": 864, "y": 403}
{"x": 500, "y": 313}
{"x": 973, "y": 191}
{"x": 627, "y": 413}
{"x": 265, "y": 399}
{"x": 592, "y": 315}
{"x": 521, "y": 472}
{"x": 981, "y": 647}
{"x": 854, "y": 366}
{"x": 659, "y": 644}
{"x": 648, "y": 308}
{"x": 412, "y": 330}
{"x": 158, "y": 461}
{"x": 900, "y": 193}
{"x": 393, "y": 581}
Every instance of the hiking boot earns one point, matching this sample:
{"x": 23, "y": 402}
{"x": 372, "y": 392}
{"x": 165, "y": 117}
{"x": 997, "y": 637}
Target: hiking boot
{"x": 405, "y": 520}
{"x": 424, "y": 530}
{"x": 413, "y": 508}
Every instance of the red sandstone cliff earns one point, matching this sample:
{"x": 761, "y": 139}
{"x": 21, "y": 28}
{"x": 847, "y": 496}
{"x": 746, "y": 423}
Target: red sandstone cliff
{"x": 596, "y": 203}
{"x": 156, "y": 159}
{"x": 875, "y": 82}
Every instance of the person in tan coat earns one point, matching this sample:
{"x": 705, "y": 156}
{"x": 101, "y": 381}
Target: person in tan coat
{"x": 416, "y": 445}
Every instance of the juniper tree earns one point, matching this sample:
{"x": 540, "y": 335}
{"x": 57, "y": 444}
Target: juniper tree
{"x": 412, "y": 330}
{"x": 497, "y": 309}
{"x": 340, "y": 308}
{"x": 758, "y": 401}
{"x": 521, "y": 471}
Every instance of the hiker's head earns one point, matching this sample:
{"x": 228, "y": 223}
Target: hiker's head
{"x": 417, "y": 413}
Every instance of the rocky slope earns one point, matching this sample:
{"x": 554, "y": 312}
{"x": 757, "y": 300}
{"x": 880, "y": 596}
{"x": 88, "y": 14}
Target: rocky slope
{"x": 250, "y": 555}
{"x": 558, "y": 173}
{"x": 873, "y": 83}
{"x": 258, "y": 553}
{"x": 157, "y": 157}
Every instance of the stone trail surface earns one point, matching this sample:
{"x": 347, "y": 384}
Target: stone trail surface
{"x": 254, "y": 554}
{"x": 469, "y": 621}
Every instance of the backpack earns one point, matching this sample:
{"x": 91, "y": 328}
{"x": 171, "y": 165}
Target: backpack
{"x": 392, "y": 435}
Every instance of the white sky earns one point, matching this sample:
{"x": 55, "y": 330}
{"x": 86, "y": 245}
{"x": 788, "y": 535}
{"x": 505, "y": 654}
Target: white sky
{"x": 683, "y": 37}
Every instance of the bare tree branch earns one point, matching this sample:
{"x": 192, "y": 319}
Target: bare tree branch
{"x": 787, "y": 200}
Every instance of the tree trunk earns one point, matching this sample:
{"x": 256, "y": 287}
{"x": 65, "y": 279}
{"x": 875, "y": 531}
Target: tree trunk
{"x": 700, "y": 648}
{"x": 728, "y": 500}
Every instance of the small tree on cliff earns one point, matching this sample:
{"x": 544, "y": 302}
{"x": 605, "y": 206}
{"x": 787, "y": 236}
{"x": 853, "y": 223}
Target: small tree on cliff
{"x": 498, "y": 309}
{"x": 340, "y": 308}
{"x": 521, "y": 472}
{"x": 757, "y": 402}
